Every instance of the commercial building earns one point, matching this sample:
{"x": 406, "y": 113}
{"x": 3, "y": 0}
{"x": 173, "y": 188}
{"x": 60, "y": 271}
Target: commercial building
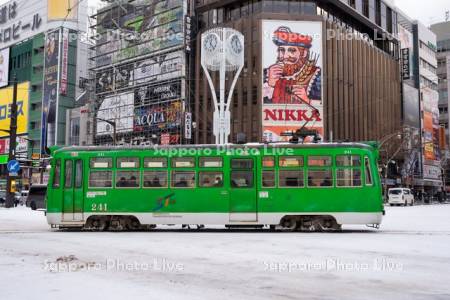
{"x": 328, "y": 66}
{"x": 142, "y": 59}
{"x": 40, "y": 42}
{"x": 442, "y": 31}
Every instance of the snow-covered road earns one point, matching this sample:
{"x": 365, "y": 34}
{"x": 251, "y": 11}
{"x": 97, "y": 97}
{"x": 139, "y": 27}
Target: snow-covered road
{"x": 408, "y": 258}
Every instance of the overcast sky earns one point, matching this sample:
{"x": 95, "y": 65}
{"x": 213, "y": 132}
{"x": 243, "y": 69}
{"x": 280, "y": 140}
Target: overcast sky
{"x": 426, "y": 11}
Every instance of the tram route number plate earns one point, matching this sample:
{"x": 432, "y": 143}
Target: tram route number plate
{"x": 264, "y": 194}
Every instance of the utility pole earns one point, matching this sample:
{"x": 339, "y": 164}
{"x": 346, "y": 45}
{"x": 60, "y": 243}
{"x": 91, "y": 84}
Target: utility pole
{"x": 12, "y": 145}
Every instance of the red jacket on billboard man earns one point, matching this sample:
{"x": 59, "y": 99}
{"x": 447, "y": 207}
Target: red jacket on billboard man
{"x": 295, "y": 78}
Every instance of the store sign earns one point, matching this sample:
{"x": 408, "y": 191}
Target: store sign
{"x": 188, "y": 125}
{"x": 406, "y": 70}
{"x": 432, "y": 172}
{"x": 291, "y": 87}
{"x": 20, "y": 20}
{"x": 21, "y": 145}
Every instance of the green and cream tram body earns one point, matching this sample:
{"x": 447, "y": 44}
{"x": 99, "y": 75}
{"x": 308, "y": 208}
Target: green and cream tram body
{"x": 286, "y": 186}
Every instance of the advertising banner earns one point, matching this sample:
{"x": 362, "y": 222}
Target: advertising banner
{"x": 64, "y": 61}
{"x": 62, "y": 10}
{"x": 160, "y": 67}
{"x": 21, "y": 145}
{"x": 146, "y": 30}
{"x": 161, "y": 117}
{"x": 4, "y": 67}
{"x": 118, "y": 108}
{"x": 292, "y": 77}
{"x": 50, "y": 93}
{"x": 6, "y": 95}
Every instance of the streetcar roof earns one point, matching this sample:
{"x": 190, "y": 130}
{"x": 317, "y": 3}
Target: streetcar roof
{"x": 368, "y": 146}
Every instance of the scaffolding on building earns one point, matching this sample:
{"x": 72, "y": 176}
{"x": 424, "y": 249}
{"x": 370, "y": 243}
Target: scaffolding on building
{"x": 140, "y": 74}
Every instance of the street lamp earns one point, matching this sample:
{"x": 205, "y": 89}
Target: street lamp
{"x": 113, "y": 124}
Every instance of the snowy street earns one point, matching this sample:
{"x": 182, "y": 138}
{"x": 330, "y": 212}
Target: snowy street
{"x": 408, "y": 258}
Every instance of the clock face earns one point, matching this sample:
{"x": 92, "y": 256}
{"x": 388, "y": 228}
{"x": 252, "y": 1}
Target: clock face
{"x": 236, "y": 44}
{"x": 211, "y": 42}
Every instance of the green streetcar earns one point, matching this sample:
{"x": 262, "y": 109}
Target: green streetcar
{"x": 284, "y": 186}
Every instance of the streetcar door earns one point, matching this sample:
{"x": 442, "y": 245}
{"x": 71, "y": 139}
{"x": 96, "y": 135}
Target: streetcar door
{"x": 243, "y": 206}
{"x": 73, "y": 190}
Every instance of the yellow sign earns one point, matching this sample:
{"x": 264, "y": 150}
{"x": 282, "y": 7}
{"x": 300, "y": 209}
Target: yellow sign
{"x": 62, "y": 10}
{"x": 6, "y": 96}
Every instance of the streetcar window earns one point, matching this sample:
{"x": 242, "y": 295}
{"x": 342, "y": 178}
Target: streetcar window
{"x": 268, "y": 162}
{"x": 242, "y": 163}
{"x": 101, "y": 162}
{"x": 78, "y": 173}
{"x": 68, "y": 174}
{"x": 155, "y": 179}
{"x": 348, "y": 161}
{"x": 183, "y": 162}
{"x": 100, "y": 179}
{"x": 57, "y": 174}
{"x": 268, "y": 178}
{"x": 155, "y": 162}
{"x": 211, "y": 162}
{"x": 291, "y": 161}
{"x": 319, "y": 161}
{"x": 368, "y": 171}
{"x": 348, "y": 177}
{"x": 320, "y": 178}
{"x": 241, "y": 179}
{"x": 128, "y": 162}
{"x": 291, "y": 179}
{"x": 183, "y": 179}
{"x": 210, "y": 179}
{"x": 127, "y": 179}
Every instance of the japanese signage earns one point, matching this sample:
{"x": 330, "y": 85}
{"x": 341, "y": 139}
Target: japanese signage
{"x": 292, "y": 64}
{"x": 188, "y": 125}
{"x": 406, "y": 66}
{"x": 21, "y": 145}
{"x": 23, "y": 90}
{"x": 64, "y": 61}
{"x": 19, "y": 20}
{"x": 50, "y": 93}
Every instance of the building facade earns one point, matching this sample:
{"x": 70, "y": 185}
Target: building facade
{"x": 39, "y": 45}
{"x": 442, "y": 31}
{"x": 142, "y": 59}
{"x": 348, "y": 73}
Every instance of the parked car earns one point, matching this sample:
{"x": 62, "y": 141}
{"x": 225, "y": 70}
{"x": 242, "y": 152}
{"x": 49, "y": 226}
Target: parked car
{"x": 400, "y": 196}
{"x": 36, "y": 196}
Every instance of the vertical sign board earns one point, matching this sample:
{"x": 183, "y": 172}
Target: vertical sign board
{"x": 188, "y": 126}
{"x": 406, "y": 64}
{"x": 50, "y": 93}
{"x": 64, "y": 61}
{"x": 292, "y": 77}
{"x": 4, "y": 67}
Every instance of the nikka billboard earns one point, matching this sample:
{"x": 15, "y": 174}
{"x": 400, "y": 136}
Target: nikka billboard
{"x": 292, "y": 77}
